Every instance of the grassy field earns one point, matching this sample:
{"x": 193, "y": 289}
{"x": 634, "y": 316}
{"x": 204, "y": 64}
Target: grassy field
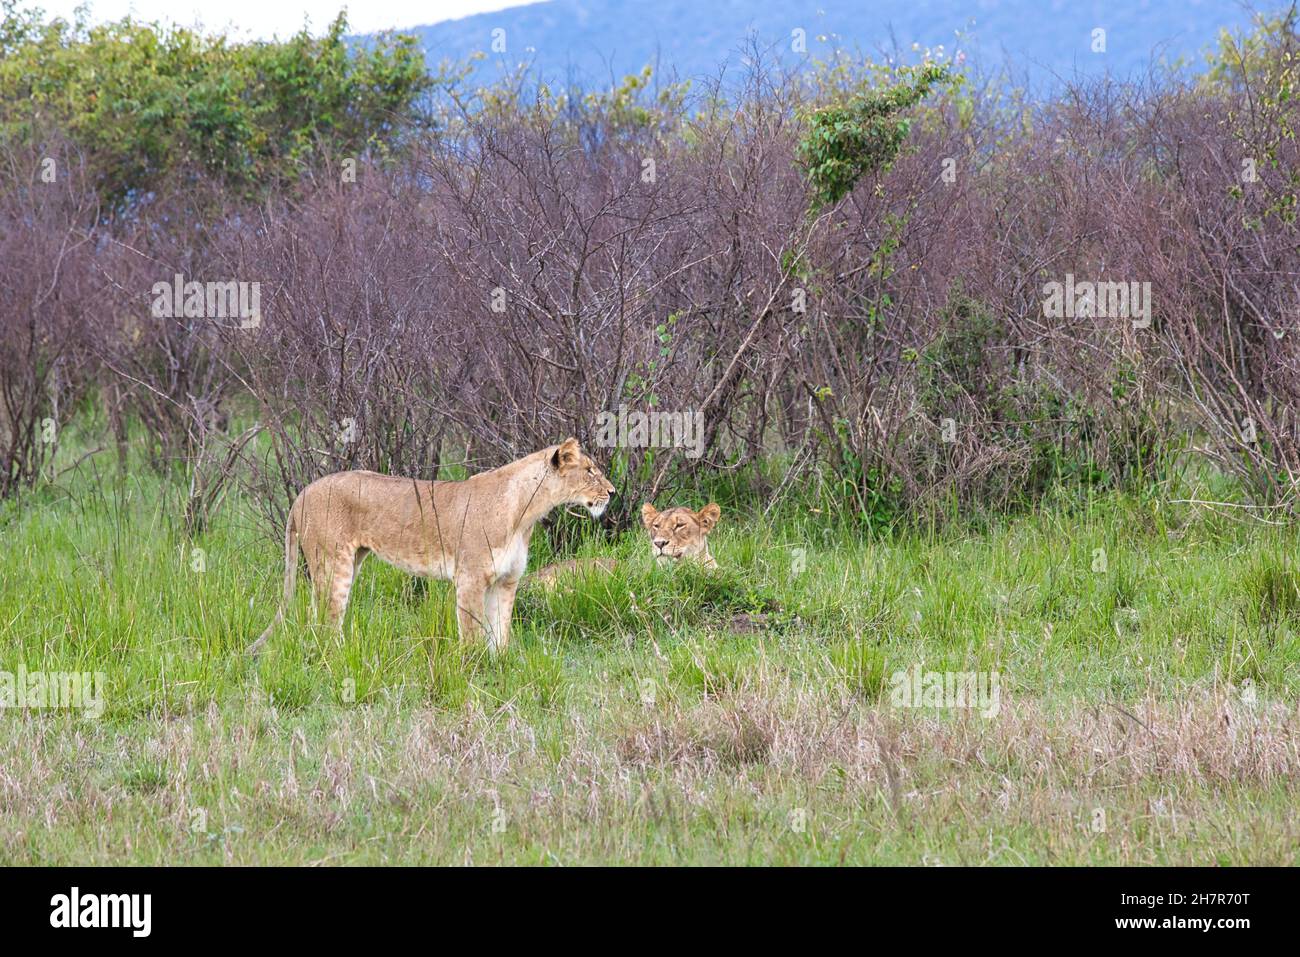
{"x": 1147, "y": 654}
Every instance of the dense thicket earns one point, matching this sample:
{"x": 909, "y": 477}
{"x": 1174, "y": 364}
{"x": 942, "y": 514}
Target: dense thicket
{"x": 848, "y": 270}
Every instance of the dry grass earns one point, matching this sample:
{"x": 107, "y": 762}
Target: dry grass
{"x": 1209, "y": 778}
{"x": 1147, "y": 709}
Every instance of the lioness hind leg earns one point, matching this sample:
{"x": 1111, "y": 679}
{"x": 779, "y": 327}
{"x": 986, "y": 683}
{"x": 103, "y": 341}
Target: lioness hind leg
{"x": 320, "y": 569}
{"x": 346, "y": 565}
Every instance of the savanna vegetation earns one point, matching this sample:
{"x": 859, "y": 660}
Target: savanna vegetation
{"x": 841, "y": 269}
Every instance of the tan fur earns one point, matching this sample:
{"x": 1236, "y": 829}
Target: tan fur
{"x": 550, "y": 576}
{"x": 675, "y": 533}
{"x": 679, "y": 532}
{"x": 474, "y": 532}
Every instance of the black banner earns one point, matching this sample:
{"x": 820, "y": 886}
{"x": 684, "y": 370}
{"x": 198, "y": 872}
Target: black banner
{"x": 335, "y": 906}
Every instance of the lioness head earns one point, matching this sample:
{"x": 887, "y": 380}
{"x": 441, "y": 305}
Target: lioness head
{"x": 679, "y": 532}
{"x": 581, "y": 482}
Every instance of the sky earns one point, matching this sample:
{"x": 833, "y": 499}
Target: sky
{"x": 262, "y": 19}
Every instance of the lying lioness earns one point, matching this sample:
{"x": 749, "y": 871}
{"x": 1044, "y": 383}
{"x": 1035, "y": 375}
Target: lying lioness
{"x": 675, "y": 533}
{"x": 473, "y": 532}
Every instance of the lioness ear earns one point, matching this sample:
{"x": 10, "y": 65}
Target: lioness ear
{"x": 567, "y": 455}
{"x": 648, "y": 514}
{"x": 708, "y": 516}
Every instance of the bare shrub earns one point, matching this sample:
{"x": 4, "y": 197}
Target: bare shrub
{"x": 49, "y": 294}
{"x": 536, "y": 268}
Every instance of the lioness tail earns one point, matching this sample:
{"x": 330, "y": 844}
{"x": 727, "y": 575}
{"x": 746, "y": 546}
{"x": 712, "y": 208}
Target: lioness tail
{"x": 290, "y": 581}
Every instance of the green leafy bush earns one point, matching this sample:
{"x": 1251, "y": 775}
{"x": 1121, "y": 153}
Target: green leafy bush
{"x": 846, "y": 142}
{"x": 144, "y": 103}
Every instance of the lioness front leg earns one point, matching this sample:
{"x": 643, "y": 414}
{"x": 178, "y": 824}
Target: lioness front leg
{"x": 500, "y": 608}
{"x": 471, "y": 592}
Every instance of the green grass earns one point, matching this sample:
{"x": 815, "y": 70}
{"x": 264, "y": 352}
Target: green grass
{"x": 1148, "y": 658}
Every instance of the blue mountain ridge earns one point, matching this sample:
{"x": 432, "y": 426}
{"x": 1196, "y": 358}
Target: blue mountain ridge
{"x": 593, "y": 42}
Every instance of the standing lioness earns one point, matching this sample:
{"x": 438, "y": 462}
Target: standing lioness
{"x": 474, "y": 532}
